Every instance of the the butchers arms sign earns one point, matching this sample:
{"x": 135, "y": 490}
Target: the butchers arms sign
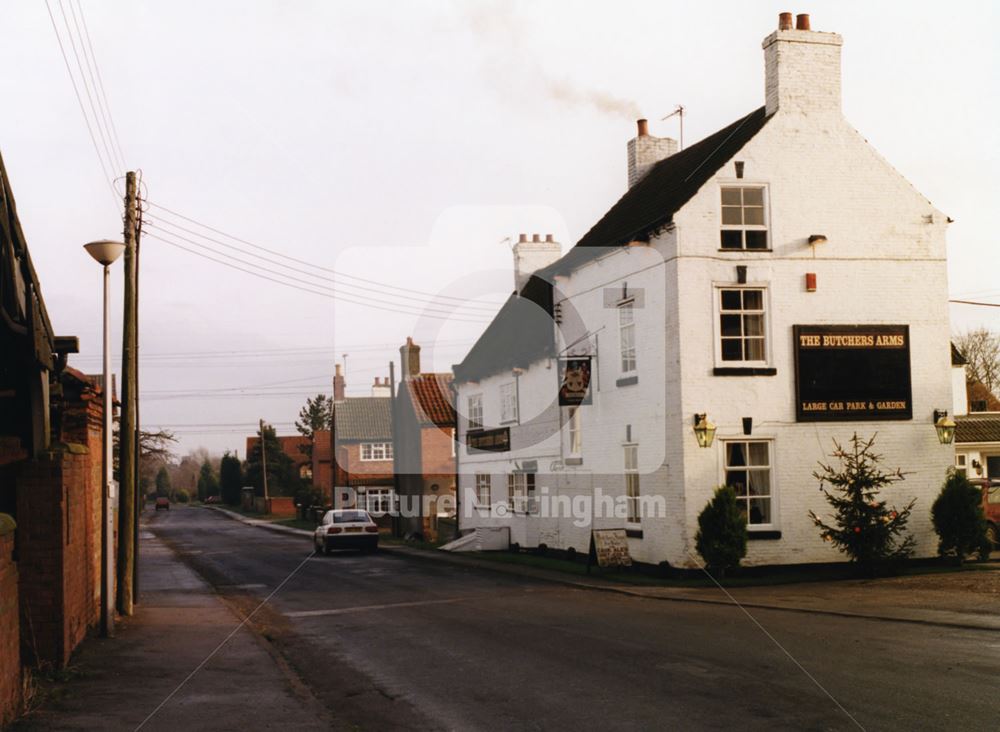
{"x": 852, "y": 372}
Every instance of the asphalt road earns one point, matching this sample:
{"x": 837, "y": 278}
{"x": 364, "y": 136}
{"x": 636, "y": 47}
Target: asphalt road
{"x": 386, "y": 642}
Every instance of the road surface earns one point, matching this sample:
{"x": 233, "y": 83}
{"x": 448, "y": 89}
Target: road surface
{"x": 386, "y": 642}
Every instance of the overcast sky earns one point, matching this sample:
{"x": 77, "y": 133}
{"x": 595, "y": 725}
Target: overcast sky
{"x": 402, "y": 142}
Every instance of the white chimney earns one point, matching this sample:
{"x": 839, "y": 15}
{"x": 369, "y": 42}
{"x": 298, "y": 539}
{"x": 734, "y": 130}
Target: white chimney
{"x": 801, "y": 68}
{"x": 645, "y": 151}
{"x": 532, "y": 255}
{"x": 380, "y": 389}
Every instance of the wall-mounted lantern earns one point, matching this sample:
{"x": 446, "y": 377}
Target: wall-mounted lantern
{"x": 704, "y": 430}
{"x": 945, "y": 426}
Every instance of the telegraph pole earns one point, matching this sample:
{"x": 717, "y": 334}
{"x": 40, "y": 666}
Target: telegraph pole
{"x": 127, "y": 454}
{"x": 263, "y": 462}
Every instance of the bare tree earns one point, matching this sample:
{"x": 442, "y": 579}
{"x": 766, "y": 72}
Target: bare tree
{"x": 981, "y": 348}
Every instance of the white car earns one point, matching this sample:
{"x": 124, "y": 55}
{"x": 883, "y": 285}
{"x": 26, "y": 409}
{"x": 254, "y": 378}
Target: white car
{"x": 346, "y": 529}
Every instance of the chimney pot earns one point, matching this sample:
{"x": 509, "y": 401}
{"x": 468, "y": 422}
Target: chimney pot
{"x": 785, "y": 21}
{"x": 536, "y": 238}
{"x": 337, "y": 370}
{"x": 549, "y": 238}
{"x": 643, "y": 126}
{"x": 802, "y": 21}
{"x": 522, "y": 238}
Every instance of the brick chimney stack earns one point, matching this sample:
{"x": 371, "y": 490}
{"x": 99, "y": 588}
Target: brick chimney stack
{"x": 801, "y": 68}
{"x": 409, "y": 357}
{"x": 339, "y": 385}
{"x": 531, "y": 255}
{"x": 645, "y": 151}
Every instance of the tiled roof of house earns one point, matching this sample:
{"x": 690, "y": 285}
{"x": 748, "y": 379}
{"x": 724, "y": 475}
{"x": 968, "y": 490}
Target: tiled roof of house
{"x": 981, "y": 399}
{"x": 290, "y": 445}
{"x": 522, "y": 331}
{"x": 432, "y": 401}
{"x": 363, "y": 418}
{"x": 977, "y": 427}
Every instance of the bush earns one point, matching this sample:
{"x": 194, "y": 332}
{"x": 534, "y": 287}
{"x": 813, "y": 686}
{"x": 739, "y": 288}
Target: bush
{"x": 722, "y": 532}
{"x": 871, "y": 533}
{"x": 182, "y": 496}
{"x": 958, "y": 518}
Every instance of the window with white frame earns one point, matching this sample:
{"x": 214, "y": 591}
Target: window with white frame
{"x": 626, "y": 335}
{"x": 748, "y": 473}
{"x": 742, "y": 324}
{"x": 744, "y": 218}
{"x": 575, "y": 431}
{"x": 376, "y": 451}
{"x": 508, "y": 402}
{"x": 960, "y": 464}
{"x": 379, "y": 501}
{"x": 632, "y": 494}
{"x": 454, "y": 441}
{"x": 520, "y": 491}
{"x": 484, "y": 489}
{"x": 475, "y": 412}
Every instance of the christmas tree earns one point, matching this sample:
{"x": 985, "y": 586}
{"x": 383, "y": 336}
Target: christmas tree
{"x": 871, "y": 533}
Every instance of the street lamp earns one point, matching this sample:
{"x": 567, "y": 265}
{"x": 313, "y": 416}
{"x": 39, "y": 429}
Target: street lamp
{"x": 106, "y": 252}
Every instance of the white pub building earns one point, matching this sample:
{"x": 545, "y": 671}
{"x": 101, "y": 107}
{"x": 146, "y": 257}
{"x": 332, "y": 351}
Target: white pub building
{"x": 778, "y": 281}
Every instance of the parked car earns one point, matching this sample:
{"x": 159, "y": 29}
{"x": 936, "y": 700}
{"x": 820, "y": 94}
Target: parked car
{"x": 162, "y": 502}
{"x": 991, "y": 508}
{"x": 346, "y": 529}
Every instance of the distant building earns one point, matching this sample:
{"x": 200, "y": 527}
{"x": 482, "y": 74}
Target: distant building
{"x": 294, "y": 446}
{"x": 424, "y": 431}
{"x": 363, "y": 452}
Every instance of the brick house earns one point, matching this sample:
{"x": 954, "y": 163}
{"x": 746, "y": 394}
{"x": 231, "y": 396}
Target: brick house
{"x": 424, "y": 431}
{"x": 778, "y": 280}
{"x": 50, "y": 476}
{"x": 362, "y": 448}
{"x": 292, "y": 446}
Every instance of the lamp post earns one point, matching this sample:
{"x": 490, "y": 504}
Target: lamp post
{"x": 106, "y": 252}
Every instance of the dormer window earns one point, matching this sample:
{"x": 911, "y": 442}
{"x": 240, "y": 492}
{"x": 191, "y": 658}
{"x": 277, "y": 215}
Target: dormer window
{"x": 744, "y": 218}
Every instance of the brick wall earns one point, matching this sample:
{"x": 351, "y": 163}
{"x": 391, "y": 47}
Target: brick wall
{"x": 10, "y": 654}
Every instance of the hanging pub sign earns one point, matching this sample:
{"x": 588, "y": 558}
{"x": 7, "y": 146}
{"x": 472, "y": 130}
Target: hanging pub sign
{"x": 497, "y": 440}
{"x": 852, "y": 372}
{"x": 574, "y": 381}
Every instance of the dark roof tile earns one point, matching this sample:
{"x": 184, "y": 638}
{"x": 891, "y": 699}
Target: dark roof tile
{"x": 363, "y": 418}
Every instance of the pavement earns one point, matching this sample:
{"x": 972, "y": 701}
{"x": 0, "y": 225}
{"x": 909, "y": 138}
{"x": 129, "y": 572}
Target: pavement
{"x": 120, "y": 683}
{"x": 959, "y": 600}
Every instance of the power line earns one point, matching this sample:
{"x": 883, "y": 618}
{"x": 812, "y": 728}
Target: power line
{"x": 407, "y": 299}
{"x": 302, "y": 261}
{"x": 86, "y": 87}
{"x": 83, "y": 111}
{"x": 326, "y": 294}
{"x": 109, "y": 120}
{"x": 981, "y": 304}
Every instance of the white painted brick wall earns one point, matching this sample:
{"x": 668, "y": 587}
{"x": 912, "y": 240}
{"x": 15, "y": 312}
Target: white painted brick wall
{"x": 883, "y": 262}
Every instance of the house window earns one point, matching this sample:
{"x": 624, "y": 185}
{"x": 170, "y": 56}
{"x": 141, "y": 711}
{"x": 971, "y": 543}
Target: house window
{"x": 575, "y": 432}
{"x": 960, "y": 465}
{"x": 632, "y": 484}
{"x": 748, "y": 472}
{"x": 978, "y": 405}
{"x": 742, "y": 324}
{"x": 475, "y": 412}
{"x": 483, "y": 489}
{"x": 744, "y": 220}
{"x": 376, "y": 451}
{"x": 626, "y": 335}
{"x": 508, "y": 402}
{"x": 521, "y": 491}
{"x": 379, "y": 501}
